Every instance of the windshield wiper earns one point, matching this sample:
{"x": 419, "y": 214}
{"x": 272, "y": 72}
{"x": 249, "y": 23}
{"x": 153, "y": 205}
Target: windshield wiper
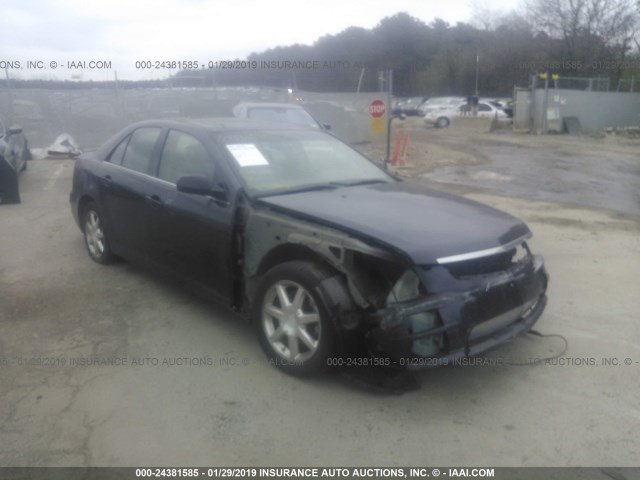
{"x": 370, "y": 181}
{"x": 307, "y": 188}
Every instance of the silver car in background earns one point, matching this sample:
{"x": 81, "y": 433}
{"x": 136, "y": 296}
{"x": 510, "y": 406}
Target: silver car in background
{"x": 443, "y": 117}
{"x": 278, "y": 112}
{"x": 440, "y": 103}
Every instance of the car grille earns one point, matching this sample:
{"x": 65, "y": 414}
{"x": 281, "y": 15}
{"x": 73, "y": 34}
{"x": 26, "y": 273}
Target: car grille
{"x": 495, "y": 263}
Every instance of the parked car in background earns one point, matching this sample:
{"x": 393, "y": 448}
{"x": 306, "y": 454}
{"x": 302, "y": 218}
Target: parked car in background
{"x": 277, "y": 112}
{"x": 408, "y": 105}
{"x": 506, "y": 104}
{"x": 443, "y": 117}
{"x": 14, "y": 153}
{"x": 330, "y": 255}
{"x": 440, "y": 103}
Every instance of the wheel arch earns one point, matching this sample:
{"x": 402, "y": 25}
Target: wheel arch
{"x": 281, "y": 253}
{"x": 287, "y": 252}
{"x": 82, "y": 205}
{"x": 270, "y": 238}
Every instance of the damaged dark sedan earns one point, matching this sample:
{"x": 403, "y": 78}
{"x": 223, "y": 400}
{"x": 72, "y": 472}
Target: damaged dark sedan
{"x": 324, "y": 250}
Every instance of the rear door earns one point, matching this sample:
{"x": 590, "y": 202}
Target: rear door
{"x": 124, "y": 183}
{"x": 190, "y": 234}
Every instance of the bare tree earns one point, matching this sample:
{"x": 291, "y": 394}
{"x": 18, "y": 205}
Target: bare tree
{"x": 483, "y": 16}
{"x": 585, "y": 25}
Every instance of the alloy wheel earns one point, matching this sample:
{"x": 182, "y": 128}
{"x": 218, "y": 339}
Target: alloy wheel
{"x": 94, "y": 234}
{"x": 291, "y": 321}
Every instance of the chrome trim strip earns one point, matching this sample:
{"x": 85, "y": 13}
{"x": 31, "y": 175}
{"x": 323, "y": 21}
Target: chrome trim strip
{"x": 483, "y": 253}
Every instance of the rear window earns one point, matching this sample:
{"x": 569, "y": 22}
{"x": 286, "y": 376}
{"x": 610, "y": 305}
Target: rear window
{"x": 118, "y": 153}
{"x": 140, "y": 148}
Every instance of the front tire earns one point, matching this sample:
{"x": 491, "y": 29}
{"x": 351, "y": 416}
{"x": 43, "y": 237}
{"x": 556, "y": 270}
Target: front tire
{"x": 292, "y": 322}
{"x": 95, "y": 236}
{"x": 442, "y": 122}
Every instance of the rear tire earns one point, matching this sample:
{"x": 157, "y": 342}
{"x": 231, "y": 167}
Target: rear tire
{"x": 26, "y": 155}
{"x": 292, "y": 322}
{"x": 95, "y": 236}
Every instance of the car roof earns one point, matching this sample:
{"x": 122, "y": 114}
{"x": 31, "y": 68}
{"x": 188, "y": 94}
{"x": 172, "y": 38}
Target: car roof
{"x": 222, "y": 124}
{"x": 202, "y": 126}
{"x": 269, "y": 105}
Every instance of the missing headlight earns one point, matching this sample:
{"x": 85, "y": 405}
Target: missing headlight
{"x": 423, "y": 322}
{"x": 521, "y": 253}
{"x": 408, "y": 287}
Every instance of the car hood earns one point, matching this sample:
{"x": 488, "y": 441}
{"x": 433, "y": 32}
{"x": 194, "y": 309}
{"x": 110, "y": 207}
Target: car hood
{"x": 422, "y": 223}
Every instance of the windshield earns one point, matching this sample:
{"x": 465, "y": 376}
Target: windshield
{"x": 282, "y": 114}
{"x": 274, "y": 162}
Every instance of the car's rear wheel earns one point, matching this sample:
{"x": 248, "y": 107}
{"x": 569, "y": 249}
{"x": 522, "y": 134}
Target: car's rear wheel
{"x": 26, "y": 155}
{"x": 95, "y": 236}
{"x": 27, "y": 152}
{"x": 294, "y": 327}
{"x": 442, "y": 122}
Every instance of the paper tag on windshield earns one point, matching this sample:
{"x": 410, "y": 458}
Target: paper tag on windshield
{"x": 247, "y": 155}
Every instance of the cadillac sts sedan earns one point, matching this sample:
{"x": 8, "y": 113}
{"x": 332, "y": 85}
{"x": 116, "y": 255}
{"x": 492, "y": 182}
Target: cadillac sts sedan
{"x": 325, "y": 251}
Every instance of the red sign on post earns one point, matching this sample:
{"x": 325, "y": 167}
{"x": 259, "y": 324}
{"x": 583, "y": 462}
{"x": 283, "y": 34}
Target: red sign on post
{"x": 377, "y": 108}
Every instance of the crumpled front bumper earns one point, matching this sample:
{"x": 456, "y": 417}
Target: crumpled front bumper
{"x": 471, "y": 315}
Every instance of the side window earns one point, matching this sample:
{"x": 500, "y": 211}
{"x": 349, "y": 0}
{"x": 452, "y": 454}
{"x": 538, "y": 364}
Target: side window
{"x": 184, "y": 155}
{"x": 137, "y": 156}
{"x": 483, "y": 107}
{"x": 118, "y": 153}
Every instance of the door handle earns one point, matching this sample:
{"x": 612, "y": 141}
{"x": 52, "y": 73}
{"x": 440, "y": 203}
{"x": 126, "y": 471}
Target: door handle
{"x": 154, "y": 200}
{"x": 107, "y": 182}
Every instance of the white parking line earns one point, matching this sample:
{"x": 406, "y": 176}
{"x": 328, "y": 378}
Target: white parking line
{"x": 54, "y": 177}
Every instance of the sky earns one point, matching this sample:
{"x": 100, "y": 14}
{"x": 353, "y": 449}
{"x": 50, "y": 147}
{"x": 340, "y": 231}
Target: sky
{"x": 125, "y": 31}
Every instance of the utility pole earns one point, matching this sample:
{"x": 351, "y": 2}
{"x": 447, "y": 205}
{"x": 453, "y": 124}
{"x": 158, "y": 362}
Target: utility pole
{"x": 360, "y": 81}
{"x": 545, "y": 103}
{"x": 477, "y": 73}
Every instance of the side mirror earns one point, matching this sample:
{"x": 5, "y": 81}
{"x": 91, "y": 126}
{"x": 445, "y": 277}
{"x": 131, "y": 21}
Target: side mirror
{"x": 15, "y": 130}
{"x": 201, "y": 185}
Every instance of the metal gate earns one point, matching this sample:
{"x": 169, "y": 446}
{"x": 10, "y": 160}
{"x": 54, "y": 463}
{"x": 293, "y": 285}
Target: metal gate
{"x": 522, "y": 115}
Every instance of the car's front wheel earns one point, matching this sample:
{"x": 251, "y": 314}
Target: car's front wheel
{"x": 95, "y": 236}
{"x": 442, "y": 122}
{"x": 290, "y": 315}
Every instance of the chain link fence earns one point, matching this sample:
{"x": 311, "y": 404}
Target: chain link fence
{"x": 92, "y": 116}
